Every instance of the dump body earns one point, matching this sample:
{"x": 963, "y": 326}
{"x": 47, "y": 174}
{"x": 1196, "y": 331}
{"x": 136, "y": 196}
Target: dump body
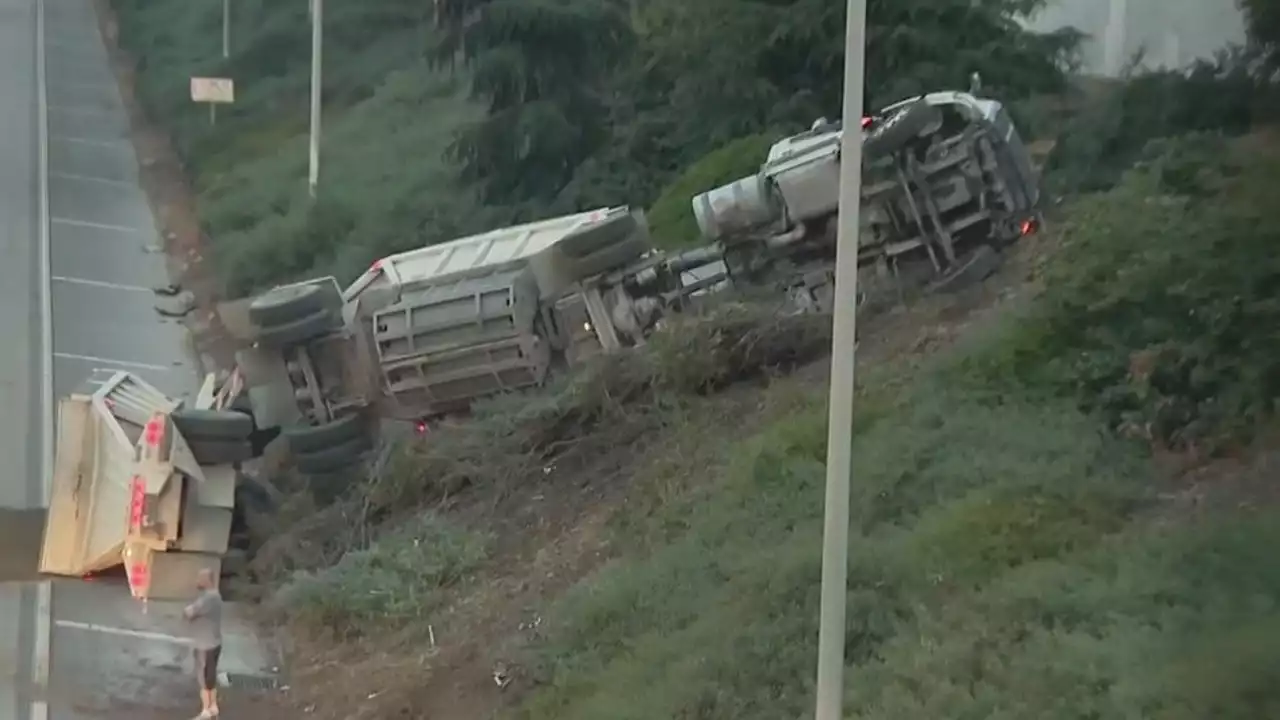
{"x": 428, "y": 331}
{"x": 126, "y": 484}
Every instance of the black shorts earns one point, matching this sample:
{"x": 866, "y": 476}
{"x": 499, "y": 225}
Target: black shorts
{"x": 207, "y": 667}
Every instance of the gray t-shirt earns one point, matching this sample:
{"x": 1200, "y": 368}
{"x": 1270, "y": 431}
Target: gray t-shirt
{"x": 206, "y": 620}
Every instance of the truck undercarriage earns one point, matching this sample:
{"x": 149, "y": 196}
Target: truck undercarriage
{"x": 947, "y": 184}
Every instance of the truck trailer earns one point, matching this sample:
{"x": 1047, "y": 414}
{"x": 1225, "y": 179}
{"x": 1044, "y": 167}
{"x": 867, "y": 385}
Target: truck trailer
{"x": 947, "y": 185}
{"x": 145, "y": 481}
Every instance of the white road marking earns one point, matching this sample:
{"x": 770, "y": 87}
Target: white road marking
{"x": 100, "y": 283}
{"x": 123, "y": 632}
{"x": 109, "y": 361}
{"x": 102, "y": 181}
{"x": 113, "y": 144}
{"x": 97, "y": 226}
{"x": 44, "y": 591}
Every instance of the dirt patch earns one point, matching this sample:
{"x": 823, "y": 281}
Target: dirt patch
{"x": 1248, "y": 479}
{"x": 555, "y": 525}
{"x": 550, "y": 531}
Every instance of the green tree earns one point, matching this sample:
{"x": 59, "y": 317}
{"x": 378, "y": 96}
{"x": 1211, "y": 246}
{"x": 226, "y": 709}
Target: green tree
{"x": 604, "y": 101}
{"x": 703, "y": 74}
{"x": 538, "y": 65}
{"x": 1262, "y": 20}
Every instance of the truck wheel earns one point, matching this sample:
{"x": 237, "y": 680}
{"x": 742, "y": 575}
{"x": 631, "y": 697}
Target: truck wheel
{"x": 305, "y": 439}
{"x": 285, "y": 305}
{"x": 980, "y": 264}
{"x": 220, "y": 452}
{"x": 296, "y": 332}
{"x": 212, "y": 424}
{"x": 899, "y": 129}
{"x": 252, "y": 496}
{"x": 334, "y": 458}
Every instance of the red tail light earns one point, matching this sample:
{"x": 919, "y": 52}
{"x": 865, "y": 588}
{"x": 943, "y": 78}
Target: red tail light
{"x": 137, "y": 502}
{"x": 866, "y": 123}
{"x": 154, "y": 432}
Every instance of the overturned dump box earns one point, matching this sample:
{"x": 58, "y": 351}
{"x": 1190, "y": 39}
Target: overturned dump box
{"x": 140, "y": 480}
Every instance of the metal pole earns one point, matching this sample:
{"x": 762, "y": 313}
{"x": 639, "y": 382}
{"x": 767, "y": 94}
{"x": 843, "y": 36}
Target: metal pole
{"x": 317, "y": 25}
{"x": 226, "y": 29}
{"x": 1115, "y": 38}
{"x": 835, "y": 534}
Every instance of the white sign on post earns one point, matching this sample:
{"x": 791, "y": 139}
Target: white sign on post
{"x": 213, "y": 90}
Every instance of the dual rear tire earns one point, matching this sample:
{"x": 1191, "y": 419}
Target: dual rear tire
{"x": 292, "y": 315}
{"x": 216, "y": 437}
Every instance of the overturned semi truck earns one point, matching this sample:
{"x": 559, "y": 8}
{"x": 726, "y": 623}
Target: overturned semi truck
{"x": 426, "y": 332}
{"x": 429, "y": 331}
{"x": 144, "y": 480}
{"x": 947, "y": 183}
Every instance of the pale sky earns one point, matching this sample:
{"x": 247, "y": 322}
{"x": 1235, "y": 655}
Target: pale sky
{"x": 1174, "y": 32}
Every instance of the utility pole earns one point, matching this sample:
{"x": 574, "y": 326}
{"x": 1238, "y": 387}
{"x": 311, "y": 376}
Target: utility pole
{"x": 835, "y": 533}
{"x": 1115, "y": 38}
{"x": 226, "y": 29}
{"x": 317, "y": 27}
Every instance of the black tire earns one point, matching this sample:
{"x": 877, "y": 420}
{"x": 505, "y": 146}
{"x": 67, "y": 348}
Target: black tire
{"x": 898, "y": 129}
{"x": 220, "y": 452}
{"x": 305, "y": 439}
{"x": 212, "y": 424}
{"x": 334, "y": 458}
{"x": 285, "y": 305}
{"x": 317, "y": 324}
{"x": 980, "y": 264}
{"x": 252, "y": 497}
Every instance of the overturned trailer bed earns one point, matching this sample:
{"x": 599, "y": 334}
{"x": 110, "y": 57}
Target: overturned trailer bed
{"x": 140, "y": 481}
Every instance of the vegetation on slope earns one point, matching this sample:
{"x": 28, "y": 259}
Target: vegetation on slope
{"x": 1006, "y": 560}
{"x": 1014, "y": 555}
{"x": 435, "y": 127}
{"x": 1015, "y": 551}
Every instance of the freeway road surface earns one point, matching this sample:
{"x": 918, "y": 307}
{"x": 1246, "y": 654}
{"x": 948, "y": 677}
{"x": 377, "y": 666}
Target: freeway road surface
{"x": 104, "y": 656}
{"x": 107, "y": 658}
{"x": 20, "y": 342}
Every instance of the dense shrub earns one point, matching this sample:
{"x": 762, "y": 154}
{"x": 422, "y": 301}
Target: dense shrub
{"x": 671, "y": 217}
{"x": 1116, "y": 120}
{"x": 398, "y": 579}
{"x": 1156, "y": 307}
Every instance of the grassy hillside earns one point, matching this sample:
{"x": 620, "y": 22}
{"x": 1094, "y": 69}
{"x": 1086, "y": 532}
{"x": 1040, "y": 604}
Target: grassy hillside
{"x": 388, "y": 119}
{"x": 1018, "y": 550}
{"x": 641, "y": 540}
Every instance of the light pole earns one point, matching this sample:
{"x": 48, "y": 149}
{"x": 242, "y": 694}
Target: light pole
{"x": 1115, "y": 38}
{"x": 226, "y": 29}
{"x": 317, "y": 26}
{"x": 835, "y": 533}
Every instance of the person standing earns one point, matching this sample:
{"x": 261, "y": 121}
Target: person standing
{"x": 205, "y": 616}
